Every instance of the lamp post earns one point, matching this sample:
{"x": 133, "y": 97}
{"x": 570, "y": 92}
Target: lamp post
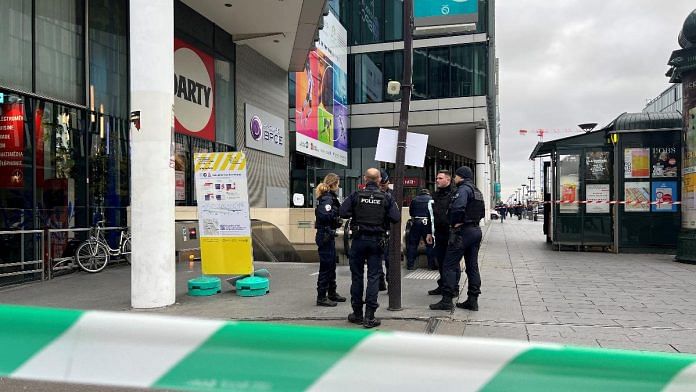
{"x": 406, "y": 87}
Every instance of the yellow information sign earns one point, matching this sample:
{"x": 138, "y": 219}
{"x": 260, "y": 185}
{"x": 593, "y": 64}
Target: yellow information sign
{"x": 223, "y": 213}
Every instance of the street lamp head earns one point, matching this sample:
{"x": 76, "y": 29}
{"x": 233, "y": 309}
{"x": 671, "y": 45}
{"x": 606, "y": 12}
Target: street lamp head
{"x": 587, "y": 127}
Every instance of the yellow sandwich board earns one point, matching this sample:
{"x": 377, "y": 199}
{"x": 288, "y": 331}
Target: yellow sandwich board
{"x": 223, "y": 213}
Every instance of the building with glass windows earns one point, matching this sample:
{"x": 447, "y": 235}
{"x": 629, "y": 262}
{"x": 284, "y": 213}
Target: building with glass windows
{"x": 66, "y": 91}
{"x": 454, "y": 97}
{"x": 669, "y": 100}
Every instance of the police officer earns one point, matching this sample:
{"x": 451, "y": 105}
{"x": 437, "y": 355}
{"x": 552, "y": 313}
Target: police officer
{"x": 327, "y": 221}
{"x": 466, "y": 210}
{"x": 421, "y": 211}
{"x": 441, "y": 200}
{"x": 386, "y": 187}
{"x": 370, "y": 210}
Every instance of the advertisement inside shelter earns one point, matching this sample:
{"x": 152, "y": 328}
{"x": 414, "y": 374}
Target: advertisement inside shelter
{"x": 597, "y": 196}
{"x": 569, "y": 167}
{"x": 636, "y": 163}
{"x": 637, "y": 196}
{"x": 321, "y": 98}
{"x": 665, "y": 162}
{"x": 664, "y": 194}
{"x": 597, "y": 166}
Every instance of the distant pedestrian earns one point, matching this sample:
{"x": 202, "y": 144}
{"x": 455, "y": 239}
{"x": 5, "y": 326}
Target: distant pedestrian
{"x": 327, "y": 221}
{"x": 467, "y": 208}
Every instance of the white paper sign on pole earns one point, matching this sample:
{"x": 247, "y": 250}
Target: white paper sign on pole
{"x": 416, "y": 144}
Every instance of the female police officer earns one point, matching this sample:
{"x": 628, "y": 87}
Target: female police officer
{"x": 327, "y": 221}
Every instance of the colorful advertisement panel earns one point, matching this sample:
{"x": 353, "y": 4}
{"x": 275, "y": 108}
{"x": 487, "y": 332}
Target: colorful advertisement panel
{"x": 445, "y": 12}
{"x": 569, "y": 167}
{"x": 223, "y": 213}
{"x": 689, "y": 201}
{"x": 637, "y": 196}
{"x": 321, "y": 113}
{"x": 12, "y": 145}
{"x": 689, "y": 164}
{"x": 665, "y": 162}
{"x": 194, "y": 91}
{"x": 664, "y": 192}
{"x": 636, "y": 163}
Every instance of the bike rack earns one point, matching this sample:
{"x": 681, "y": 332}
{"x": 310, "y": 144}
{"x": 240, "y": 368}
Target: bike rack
{"x": 24, "y": 262}
{"x": 54, "y": 260}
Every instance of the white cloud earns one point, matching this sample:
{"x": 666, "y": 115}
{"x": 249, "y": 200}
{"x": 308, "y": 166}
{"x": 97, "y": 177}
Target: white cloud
{"x": 567, "y": 62}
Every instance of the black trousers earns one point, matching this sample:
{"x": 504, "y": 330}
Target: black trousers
{"x": 326, "y": 282}
{"x": 463, "y": 242}
{"x": 363, "y": 250}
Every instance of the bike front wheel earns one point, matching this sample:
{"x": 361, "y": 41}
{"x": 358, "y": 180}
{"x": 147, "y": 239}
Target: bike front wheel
{"x": 126, "y": 250}
{"x": 92, "y": 256}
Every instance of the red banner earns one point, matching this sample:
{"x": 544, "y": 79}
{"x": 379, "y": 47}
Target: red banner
{"x": 12, "y": 146}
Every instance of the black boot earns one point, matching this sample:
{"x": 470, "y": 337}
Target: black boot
{"x": 437, "y": 291}
{"x": 357, "y": 316}
{"x": 370, "y": 321}
{"x": 444, "y": 304}
{"x": 324, "y": 301}
{"x": 334, "y": 296}
{"x": 471, "y": 303}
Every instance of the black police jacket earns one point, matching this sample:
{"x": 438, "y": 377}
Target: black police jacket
{"x": 442, "y": 200}
{"x": 392, "y": 215}
{"x": 458, "y": 203}
{"x": 326, "y": 212}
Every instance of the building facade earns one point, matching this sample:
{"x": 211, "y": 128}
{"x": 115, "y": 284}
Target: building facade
{"x": 669, "y": 100}
{"x": 67, "y": 85}
{"x": 454, "y": 100}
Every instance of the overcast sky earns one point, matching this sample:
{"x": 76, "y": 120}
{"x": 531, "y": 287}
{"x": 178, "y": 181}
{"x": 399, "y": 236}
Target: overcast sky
{"x": 567, "y": 62}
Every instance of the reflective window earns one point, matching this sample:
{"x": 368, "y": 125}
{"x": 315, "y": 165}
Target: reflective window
{"x": 224, "y": 102}
{"x": 393, "y": 20}
{"x": 15, "y": 41}
{"x": 108, "y": 55}
{"x": 420, "y": 73}
{"x": 60, "y": 49}
{"x": 438, "y": 73}
{"x": 462, "y": 71}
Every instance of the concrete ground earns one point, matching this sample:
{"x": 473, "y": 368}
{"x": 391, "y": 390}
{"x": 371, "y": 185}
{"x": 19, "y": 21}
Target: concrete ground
{"x": 530, "y": 292}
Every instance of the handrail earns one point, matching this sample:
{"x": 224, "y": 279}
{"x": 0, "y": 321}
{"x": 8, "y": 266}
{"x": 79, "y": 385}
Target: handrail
{"x": 25, "y": 262}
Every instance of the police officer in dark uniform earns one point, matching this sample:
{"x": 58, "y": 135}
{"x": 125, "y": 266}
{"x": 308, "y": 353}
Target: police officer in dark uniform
{"x": 441, "y": 199}
{"x": 384, "y": 186}
{"x": 466, "y": 210}
{"x": 421, "y": 211}
{"x": 327, "y": 221}
{"x": 370, "y": 210}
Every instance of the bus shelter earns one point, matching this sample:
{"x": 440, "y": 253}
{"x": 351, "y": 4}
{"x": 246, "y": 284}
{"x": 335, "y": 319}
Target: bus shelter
{"x": 618, "y": 187}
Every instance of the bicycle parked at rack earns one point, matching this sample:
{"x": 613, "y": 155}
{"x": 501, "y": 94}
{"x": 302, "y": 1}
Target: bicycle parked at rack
{"x": 94, "y": 254}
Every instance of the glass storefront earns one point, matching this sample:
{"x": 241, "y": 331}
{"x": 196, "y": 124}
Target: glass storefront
{"x": 438, "y": 72}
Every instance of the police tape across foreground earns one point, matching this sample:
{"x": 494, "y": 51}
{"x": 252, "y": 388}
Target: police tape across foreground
{"x": 448, "y": 226}
{"x": 152, "y": 351}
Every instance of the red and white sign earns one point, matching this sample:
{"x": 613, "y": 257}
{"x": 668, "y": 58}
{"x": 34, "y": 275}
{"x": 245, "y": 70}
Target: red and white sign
{"x": 194, "y": 91}
{"x": 12, "y": 145}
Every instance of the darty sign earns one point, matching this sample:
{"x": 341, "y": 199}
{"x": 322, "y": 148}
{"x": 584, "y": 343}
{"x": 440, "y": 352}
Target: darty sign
{"x": 194, "y": 91}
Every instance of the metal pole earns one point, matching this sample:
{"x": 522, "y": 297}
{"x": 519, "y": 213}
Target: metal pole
{"x": 406, "y": 87}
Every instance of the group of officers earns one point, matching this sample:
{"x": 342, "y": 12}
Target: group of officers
{"x": 447, "y": 221}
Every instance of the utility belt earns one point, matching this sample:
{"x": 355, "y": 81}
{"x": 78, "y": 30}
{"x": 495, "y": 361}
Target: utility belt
{"x": 424, "y": 220}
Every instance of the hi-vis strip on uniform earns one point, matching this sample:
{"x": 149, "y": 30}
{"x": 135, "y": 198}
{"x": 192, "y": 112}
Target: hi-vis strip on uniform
{"x": 223, "y": 213}
{"x": 137, "y": 350}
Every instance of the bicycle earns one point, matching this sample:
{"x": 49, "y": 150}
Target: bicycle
{"x": 94, "y": 254}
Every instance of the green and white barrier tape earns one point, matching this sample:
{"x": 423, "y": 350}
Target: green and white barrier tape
{"x": 136, "y": 350}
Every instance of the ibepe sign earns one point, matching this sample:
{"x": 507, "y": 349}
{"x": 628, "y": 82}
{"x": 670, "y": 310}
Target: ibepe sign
{"x": 264, "y": 131}
{"x": 194, "y": 91}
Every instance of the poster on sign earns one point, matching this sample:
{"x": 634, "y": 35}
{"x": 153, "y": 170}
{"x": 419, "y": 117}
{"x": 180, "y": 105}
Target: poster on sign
{"x": 12, "y": 145}
{"x": 636, "y": 163}
{"x": 223, "y": 213}
{"x": 597, "y": 196}
{"x": 637, "y": 196}
{"x": 664, "y": 194}
{"x": 194, "y": 91}
{"x": 416, "y": 144}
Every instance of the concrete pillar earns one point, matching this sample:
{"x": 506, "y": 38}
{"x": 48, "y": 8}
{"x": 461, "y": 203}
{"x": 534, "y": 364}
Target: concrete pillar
{"x": 152, "y": 172}
{"x": 481, "y": 163}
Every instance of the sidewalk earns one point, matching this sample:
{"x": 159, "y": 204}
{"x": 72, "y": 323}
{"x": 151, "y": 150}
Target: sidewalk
{"x": 530, "y": 292}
